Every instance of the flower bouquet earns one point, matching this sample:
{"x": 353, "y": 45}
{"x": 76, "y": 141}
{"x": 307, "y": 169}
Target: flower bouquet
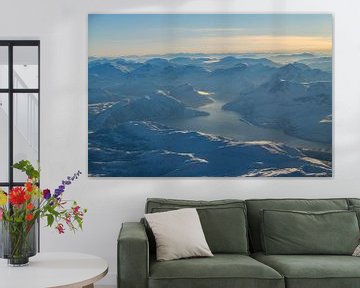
{"x": 21, "y": 208}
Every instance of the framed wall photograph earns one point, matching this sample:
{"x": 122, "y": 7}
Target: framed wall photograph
{"x": 215, "y": 95}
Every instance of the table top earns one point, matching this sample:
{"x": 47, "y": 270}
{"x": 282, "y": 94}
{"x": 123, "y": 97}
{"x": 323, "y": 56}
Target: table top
{"x": 66, "y": 270}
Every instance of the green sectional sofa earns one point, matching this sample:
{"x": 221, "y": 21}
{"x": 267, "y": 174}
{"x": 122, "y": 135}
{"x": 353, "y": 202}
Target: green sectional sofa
{"x": 236, "y": 234}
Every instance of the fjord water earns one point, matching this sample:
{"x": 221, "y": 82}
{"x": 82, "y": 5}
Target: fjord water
{"x": 229, "y": 124}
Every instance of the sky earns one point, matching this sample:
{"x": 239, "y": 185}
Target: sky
{"x": 112, "y": 35}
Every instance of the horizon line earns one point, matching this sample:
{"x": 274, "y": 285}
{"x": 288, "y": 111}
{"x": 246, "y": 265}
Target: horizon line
{"x": 327, "y": 52}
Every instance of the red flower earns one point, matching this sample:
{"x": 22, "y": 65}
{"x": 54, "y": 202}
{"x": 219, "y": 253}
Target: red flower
{"x": 29, "y": 186}
{"x": 17, "y": 196}
{"x": 27, "y": 196}
{"x": 29, "y": 217}
{"x": 75, "y": 209}
{"x": 60, "y": 228}
{"x": 68, "y": 219}
{"x": 29, "y": 206}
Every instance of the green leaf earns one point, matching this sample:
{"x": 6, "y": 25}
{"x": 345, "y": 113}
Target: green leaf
{"x": 26, "y": 167}
{"x": 50, "y": 219}
{"x": 53, "y": 211}
{"x": 79, "y": 221}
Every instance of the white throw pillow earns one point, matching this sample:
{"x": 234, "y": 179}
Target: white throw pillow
{"x": 178, "y": 234}
{"x": 357, "y": 251}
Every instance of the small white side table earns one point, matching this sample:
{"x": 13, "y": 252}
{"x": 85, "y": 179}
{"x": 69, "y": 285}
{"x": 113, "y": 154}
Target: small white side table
{"x": 50, "y": 270}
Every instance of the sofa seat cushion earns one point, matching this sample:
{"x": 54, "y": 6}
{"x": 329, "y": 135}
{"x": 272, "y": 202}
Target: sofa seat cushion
{"x": 314, "y": 271}
{"x": 222, "y": 270}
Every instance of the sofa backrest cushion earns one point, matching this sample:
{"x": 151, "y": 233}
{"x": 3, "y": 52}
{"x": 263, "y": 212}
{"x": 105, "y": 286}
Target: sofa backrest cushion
{"x": 353, "y": 202}
{"x": 223, "y": 221}
{"x": 297, "y": 232}
{"x": 354, "y": 205}
{"x": 255, "y": 206}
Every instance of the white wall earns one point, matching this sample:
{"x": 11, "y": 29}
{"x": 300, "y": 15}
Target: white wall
{"x": 61, "y": 25}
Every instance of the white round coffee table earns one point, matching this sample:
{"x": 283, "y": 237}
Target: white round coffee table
{"x": 60, "y": 270}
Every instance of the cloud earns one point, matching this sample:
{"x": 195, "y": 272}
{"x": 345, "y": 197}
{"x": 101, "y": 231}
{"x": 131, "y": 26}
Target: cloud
{"x": 215, "y": 30}
{"x": 219, "y": 44}
{"x": 259, "y": 43}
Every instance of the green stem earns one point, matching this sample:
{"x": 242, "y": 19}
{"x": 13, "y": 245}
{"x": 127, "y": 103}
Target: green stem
{"x": 18, "y": 237}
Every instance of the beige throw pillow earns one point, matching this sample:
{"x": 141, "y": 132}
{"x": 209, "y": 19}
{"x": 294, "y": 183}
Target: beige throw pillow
{"x": 178, "y": 234}
{"x": 357, "y": 251}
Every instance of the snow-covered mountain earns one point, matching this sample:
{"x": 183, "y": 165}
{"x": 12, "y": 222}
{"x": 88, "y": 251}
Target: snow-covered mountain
{"x": 186, "y": 94}
{"x": 130, "y": 96}
{"x": 241, "y": 74}
{"x": 290, "y": 58}
{"x": 323, "y": 63}
{"x": 242, "y": 78}
{"x": 190, "y": 60}
{"x": 301, "y": 73}
{"x": 262, "y": 61}
{"x": 152, "y": 107}
{"x": 101, "y": 95}
{"x": 296, "y": 108}
{"x": 138, "y": 148}
{"x": 107, "y": 71}
{"x": 231, "y": 61}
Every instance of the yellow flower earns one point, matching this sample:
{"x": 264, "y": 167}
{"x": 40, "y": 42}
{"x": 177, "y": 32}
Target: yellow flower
{"x": 3, "y": 198}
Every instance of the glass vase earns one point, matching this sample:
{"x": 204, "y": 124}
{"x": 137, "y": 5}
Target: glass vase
{"x": 18, "y": 242}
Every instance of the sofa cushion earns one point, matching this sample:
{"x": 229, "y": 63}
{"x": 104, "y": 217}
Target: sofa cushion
{"x": 223, "y": 221}
{"x": 222, "y": 270}
{"x": 255, "y": 206}
{"x": 178, "y": 234}
{"x": 353, "y": 201}
{"x": 354, "y": 205}
{"x": 314, "y": 271}
{"x": 297, "y": 232}
{"x": 356, "y": 209}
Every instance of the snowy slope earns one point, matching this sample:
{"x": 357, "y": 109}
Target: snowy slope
{"x": 301, "y": 110}
{"x": 189, "y": 96}
{"x": 153, "y": 107}
{"x": 322, "y": 63}
{"x": 301, "y": 73}
{"x": 138, "y": 148}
